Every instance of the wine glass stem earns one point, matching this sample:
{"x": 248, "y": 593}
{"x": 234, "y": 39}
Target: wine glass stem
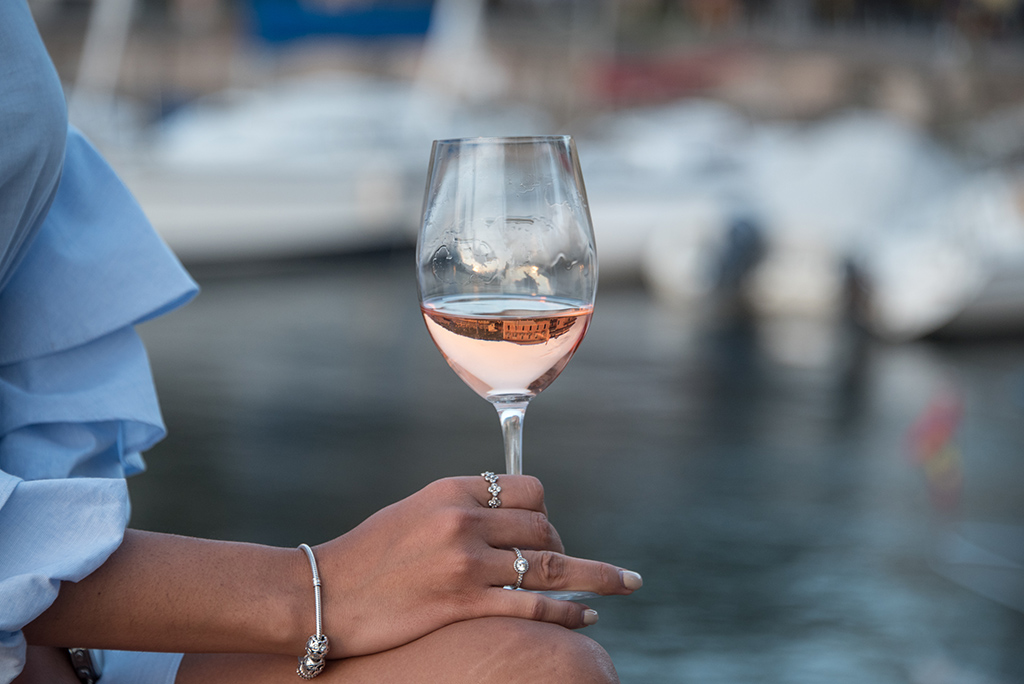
{"x": 511, "y": 416}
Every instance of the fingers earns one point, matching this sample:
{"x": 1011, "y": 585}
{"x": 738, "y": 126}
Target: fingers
{"x": 524, "y": 604}
{"x": 521, "y": 521}
{"x": 513, "y": 491}
{"x": 516, "y": 527}
{"x": 551, "y": 570}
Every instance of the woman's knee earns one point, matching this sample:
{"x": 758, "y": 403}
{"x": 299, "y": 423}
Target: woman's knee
{"x": 544, "y": 652}
{"x": 495, "y": 650}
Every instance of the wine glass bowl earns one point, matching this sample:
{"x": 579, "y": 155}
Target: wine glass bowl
{"x": 506, "y": 267}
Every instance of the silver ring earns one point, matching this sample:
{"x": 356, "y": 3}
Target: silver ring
{"x": 520, "y": 565}
{"x": 493, "y": 490}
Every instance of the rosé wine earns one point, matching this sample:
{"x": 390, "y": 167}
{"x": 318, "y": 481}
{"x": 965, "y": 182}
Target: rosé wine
{"x": 506, "y": 346}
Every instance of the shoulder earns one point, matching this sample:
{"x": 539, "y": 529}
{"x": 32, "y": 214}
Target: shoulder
{"x": 33, "y": 132}
{"x": 33, "y": 115}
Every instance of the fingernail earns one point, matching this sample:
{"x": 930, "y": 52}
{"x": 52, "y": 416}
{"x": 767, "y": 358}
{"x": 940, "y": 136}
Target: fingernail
{"x": 589, "y": 616}
{"x": 631, "y": 580}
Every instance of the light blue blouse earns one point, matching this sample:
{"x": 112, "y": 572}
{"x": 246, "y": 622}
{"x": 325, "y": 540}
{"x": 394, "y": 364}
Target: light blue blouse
{"x": 79, "y": 266}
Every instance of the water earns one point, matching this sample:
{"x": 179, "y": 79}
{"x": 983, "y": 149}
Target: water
{"x": 783, "y": 529}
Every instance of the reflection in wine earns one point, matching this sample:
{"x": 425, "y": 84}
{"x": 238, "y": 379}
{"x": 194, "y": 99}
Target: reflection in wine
{"x": 507, "y": 346}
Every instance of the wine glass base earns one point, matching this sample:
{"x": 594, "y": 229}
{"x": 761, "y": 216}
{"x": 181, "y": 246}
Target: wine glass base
{"x": 561, "y": 594}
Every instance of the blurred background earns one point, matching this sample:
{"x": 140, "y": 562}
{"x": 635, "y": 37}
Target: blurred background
{"x": 799, "y": 411}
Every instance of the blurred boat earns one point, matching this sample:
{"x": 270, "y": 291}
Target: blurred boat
{"x": 954, "y": 264}
{"x": 324, "y": 163}
{"x": 934, "y": 246}
{"x": 329, "y": 162}
{"x": 320, "y": 163}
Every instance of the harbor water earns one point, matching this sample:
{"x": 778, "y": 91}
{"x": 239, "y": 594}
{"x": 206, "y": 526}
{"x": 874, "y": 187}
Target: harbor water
{"x": 851, "y": 515}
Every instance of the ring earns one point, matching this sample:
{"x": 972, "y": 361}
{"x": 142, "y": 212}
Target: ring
{"x": 520, "y": 565}
{"x": 493, "y": 490}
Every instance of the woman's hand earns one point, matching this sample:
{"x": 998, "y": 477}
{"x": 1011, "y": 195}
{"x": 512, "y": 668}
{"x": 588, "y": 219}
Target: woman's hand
{"x": 441, "y": 556}
{"x": 438, "y": 557}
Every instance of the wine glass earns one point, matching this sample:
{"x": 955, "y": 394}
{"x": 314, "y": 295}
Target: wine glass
{"x": 507, "y": 268}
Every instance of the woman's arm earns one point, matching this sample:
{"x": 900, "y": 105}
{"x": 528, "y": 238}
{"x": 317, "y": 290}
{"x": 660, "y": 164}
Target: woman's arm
{"x": 435, "y": 558}
{"x": 161, "y": 592}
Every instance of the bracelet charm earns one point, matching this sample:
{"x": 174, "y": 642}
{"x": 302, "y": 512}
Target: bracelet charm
{"x": 312, "y": 664}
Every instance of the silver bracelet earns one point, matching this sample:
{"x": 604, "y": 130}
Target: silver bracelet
{"x": 312, "y": 664}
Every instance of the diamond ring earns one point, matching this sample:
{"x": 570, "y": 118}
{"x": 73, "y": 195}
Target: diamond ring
{"x": 493, "y": 490}
{"x": 520, "y": 565}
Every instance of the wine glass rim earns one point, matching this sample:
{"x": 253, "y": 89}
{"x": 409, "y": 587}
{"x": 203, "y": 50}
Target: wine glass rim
{"x": 505, "y": 140}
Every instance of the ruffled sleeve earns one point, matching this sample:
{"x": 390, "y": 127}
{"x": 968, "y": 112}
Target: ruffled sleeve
{"x": 77, "y": 403}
